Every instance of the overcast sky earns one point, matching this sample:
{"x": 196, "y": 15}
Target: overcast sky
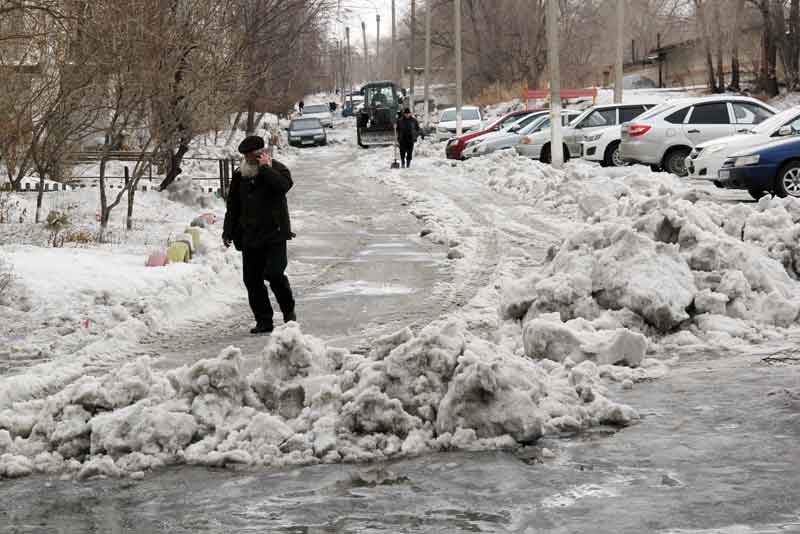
{"x": 354, "y": 11}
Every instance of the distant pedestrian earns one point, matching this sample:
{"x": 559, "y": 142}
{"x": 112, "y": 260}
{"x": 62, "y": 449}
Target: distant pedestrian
{"x": 407, "y": 132}
{"x": 257, "y": 223}
{"x": 300, "y": 106}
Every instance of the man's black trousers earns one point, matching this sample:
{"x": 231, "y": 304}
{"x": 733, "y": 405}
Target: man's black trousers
{"x": 406, "y": 151}
{"x": 267, "y": 263}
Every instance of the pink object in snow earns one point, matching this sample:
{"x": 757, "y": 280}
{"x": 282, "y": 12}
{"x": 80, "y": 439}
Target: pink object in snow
{"x": 157, "y": 259}
{"x": 210, "y": 218}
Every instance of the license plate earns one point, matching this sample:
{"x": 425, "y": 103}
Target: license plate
{"x": 724, "y": 174}
{"x": 308, "y": 142}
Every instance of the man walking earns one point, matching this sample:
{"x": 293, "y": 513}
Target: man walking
{"x": 407, "y": 132}
{"x": 257, "y": 223}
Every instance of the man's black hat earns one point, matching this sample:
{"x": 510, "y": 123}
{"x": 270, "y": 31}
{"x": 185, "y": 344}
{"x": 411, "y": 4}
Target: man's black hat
{"x": 406, "y": 110}
{"x": 250, "y": 143}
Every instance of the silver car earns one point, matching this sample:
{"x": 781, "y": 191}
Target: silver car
{"x": 508, "y": 136}
{"x": 589, "y": 121}
{"x": 664, "y": 136}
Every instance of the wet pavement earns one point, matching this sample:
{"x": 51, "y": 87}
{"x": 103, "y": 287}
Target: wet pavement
{"x": 717, "y": 451}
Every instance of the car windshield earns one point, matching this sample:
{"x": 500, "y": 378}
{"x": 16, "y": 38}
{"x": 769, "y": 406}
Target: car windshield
{"x": 467, "y": 114}
{"x": 305, "y": 124}
{"x": 541, "y": 122}
{"x": 523, "y": 122}
{"x": 317, "y": 108}
{"x": 507, "y": 122}
{"x": 776, "y": 121}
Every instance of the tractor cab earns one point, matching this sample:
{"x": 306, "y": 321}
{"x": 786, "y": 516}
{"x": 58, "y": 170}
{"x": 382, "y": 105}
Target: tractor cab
{"x": 376, "y": 119}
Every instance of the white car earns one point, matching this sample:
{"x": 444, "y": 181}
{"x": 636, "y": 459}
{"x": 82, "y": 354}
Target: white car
{"x": 602, "y": 145}
{"x": 508, "y": 136}
{"x": 707, "y": 158}
{"x": 319, "y": 111}
{"x": 470, "y": 120}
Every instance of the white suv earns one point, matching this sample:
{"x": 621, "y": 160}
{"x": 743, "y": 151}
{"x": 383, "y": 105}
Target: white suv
{"x": 664, "y": 136}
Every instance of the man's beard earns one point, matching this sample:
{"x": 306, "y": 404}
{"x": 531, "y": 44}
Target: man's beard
{"x": 248, "y": 169}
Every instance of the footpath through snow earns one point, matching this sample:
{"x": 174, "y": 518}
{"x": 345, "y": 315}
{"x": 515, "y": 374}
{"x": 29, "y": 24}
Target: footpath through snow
{"x": 646, "y": 263}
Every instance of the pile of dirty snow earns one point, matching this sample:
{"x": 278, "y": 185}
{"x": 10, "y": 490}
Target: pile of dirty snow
{"x": 307, "y": 403}
{"x": 650, "y": 254}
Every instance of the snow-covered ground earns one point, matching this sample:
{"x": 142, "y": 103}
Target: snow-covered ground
{"x": 597, "y": 276}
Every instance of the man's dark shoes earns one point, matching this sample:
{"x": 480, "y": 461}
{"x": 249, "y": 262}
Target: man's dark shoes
{"x": 262, "y": 327}
{"x": 289, "y": 317}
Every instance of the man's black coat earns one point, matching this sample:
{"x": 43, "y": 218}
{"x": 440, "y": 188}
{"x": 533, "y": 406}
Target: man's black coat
{"x": 407, "y": 130}
{"x": 257, "y": 213}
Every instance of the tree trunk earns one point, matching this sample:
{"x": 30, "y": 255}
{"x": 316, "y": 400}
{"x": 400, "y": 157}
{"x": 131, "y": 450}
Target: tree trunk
{"x": 174, "y": 165}
{"x": 39, "y": 198}
{"x": 701, "y": 21}
{"x": 104, "y": 211}
{"x": 251, "y": 118}
{"x": 737, "y": 21}
{"x": 769, "y": 78}
{"x": 718, "y": 39}
{"x": 791, "y": 58}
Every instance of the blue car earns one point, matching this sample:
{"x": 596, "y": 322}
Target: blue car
{"x": 770, "y": 168}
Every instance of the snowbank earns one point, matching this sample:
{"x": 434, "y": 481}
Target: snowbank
{"x": 307, "y": 403}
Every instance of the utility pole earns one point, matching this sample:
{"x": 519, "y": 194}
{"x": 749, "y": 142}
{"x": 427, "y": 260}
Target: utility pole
{"x": 378, "y": 43}
{"x": 459, "y": 114}
{"x": 395, "y": 77}
{"x": 367, "y": 73}
{"x": 556, "y": 148}
{"x": 658, "y": 47}
{"x": 411, "y": 54}
{"x": 620, "y": 51}
{"x": 426, "y": 92}
{"x": 349, "y": 67}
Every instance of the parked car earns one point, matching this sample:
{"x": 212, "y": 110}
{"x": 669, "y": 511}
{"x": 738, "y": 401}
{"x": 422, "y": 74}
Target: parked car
{"x": 506, "y": 137}
{"x": 348, "y": 110}
{"x": 602, "y": 145}
{"x": 307, "y": 132}
{"x": 516, "y": 134}
{"x": 319, "y": 111}
{"x": 664, "y": 136}
{"x": 471, "y": 120}
{"x": 706, "y": 159}
{"x": 773, "y": 168}
{"x": 456, "y": 145}
{"x": 537, "y": 146}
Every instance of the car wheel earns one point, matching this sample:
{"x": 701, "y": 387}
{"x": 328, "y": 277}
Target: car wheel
{"x": 788, "y": 182}
{"x": 612, "y": 157}
{"x": 756, "y": 193}
{"x": 675, "y": 161}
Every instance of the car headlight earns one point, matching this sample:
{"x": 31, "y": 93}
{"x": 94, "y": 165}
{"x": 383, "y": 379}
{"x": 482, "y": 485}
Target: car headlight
{"x": 716, "y": 148}
{"x": 745, "y": 160}
{"x": 441, "y": 130}
{"x": 592, "y": 138}
{"x": 319, "y": 136}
